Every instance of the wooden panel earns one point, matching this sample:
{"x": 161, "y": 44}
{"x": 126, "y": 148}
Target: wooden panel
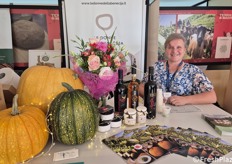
{"x": 228, "y": 94}
{"x": 219, "y": 78}
{"x": 2, "y": 99}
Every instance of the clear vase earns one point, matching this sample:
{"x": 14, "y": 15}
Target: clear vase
{"x": 102, "y": 101}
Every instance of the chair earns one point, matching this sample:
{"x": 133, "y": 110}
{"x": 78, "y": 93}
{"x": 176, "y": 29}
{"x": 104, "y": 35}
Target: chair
{"x": 219, "y": 79}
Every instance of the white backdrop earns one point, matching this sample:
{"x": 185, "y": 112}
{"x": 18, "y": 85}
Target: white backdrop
{"x": 86, "y": 18}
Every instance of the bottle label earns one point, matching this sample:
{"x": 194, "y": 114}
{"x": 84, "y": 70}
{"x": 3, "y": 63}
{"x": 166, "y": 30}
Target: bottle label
{"x": 134, "y": 101}
{"x": 152, "y": 101}
{"x": 122, "y": 101}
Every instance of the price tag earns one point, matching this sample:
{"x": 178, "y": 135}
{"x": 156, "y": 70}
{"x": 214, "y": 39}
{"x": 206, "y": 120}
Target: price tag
{"x": 68, "y": 154}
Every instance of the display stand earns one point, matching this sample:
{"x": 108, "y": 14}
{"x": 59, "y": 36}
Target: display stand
{"x": 9, "y": 91}
{"x": 2, "y": 99}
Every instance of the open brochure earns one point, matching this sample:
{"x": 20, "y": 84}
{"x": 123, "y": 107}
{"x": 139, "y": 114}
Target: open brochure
{"x": 152, "y": 142}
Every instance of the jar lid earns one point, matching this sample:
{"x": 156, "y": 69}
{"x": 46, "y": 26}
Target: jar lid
{"x": 131, "y": 111}
{"x": 141, "y": 108}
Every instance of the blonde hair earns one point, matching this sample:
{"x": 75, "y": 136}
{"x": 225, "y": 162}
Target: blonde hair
{"x": 172, "y": 37}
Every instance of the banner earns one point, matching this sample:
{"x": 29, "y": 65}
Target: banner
{"x": 87, "y": 19}
{"x": 6, "y": 50}
{"x": 208, "y": 33}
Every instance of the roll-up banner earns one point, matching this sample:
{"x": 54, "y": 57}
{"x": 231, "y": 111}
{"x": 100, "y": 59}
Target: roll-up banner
{"x": 87, "y": 19}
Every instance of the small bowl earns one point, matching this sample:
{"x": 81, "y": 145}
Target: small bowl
{"x": 104, "y": 126}
{"x": 116, "y": 122}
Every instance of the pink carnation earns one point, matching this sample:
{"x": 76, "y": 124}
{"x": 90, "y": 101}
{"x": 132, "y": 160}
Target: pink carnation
{"x": 102, "y": 46}
{"x": 93, "y": 62}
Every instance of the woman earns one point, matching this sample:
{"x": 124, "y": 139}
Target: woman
{"x": 186, "y": 82}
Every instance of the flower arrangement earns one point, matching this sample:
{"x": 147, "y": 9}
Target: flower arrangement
{"x": 97, "y": 63}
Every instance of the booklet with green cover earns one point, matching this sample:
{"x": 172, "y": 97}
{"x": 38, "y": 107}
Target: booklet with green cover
{"x": 221, "y": 123}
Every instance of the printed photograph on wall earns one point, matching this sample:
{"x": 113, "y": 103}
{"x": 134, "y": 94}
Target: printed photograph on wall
{"x": 203, "y": 30}
{"x": 33, "y": 29}
{"x": 6, "y": 48}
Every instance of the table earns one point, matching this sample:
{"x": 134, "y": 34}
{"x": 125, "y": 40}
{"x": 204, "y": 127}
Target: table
{"x": 95, "y": 152}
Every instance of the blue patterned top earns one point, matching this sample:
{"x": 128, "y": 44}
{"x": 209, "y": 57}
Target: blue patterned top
{"x": 189, "y": 80}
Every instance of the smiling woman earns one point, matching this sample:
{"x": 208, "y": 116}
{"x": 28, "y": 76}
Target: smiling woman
{"x": 186, "y": 82}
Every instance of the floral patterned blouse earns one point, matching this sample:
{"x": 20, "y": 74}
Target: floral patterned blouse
{"x": 188, "y": 80}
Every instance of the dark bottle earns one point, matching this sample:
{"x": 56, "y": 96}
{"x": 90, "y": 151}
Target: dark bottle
{"x": 120, "y": 95}
{"x": 150, "y": 94}
{"x": 133, "y": 88}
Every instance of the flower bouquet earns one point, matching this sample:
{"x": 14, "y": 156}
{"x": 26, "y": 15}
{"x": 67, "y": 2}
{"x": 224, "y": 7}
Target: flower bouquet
{"x": 97, "y": 62}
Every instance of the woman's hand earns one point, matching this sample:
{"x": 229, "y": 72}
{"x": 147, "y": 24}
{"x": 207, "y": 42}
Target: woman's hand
{"x": 201, "y": 98}
{"x": 177, "y": 100}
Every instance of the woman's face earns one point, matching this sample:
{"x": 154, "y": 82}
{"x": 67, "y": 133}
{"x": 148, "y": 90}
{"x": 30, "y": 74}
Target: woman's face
{"x": 175, "y": 51}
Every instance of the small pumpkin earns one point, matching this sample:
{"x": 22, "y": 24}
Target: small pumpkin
{"x": 38, "y": 85}
{"x": 23, "y": 133}
{"x": 73, "y": 116}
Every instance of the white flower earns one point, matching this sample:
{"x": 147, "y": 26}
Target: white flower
{"x": 106, "y": 73}
{"x": 93, "y": 40}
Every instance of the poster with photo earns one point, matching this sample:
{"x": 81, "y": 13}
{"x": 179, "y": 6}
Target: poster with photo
{"x": 6, "y": 48}
{"x": 33, "y": 29}
{"x": 201, "y": 28}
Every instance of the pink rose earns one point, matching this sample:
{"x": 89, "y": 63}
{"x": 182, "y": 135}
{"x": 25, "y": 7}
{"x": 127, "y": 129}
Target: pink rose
{"x": 117, "y": 61}
{"x": 106, "y": 73}
{"x": 121, "y": 55}
{"x": 93, "y": 62}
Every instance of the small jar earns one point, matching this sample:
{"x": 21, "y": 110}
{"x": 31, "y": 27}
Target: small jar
{"x": 129, "y": 116}
{"x": 141, "y": 114}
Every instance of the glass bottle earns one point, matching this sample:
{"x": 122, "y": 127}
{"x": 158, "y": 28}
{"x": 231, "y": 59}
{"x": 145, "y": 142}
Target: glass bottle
{"x": 150, "y": 94}
{"x": 133, "y": 88}
{"x": 120, "y": 95}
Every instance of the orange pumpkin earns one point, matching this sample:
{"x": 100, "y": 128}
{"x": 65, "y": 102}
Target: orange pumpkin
{"x": 39, "y": 85}
{"x": 23, "y": 133}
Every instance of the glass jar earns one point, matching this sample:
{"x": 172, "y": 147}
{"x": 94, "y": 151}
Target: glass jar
{"x": 141, "y": 114}
{"x": 129, "y": 116}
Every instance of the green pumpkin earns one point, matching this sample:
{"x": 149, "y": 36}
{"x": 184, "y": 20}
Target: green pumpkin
{"x": 73, "y": 116}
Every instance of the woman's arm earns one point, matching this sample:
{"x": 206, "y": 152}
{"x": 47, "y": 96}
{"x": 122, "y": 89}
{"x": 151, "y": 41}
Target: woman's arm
{"x": 201, "y": 98}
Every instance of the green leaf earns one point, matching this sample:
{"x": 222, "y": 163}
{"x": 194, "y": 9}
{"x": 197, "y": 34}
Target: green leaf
{"x": 112, "y": 36}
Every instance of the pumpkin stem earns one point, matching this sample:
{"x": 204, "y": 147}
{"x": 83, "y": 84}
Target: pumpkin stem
{"x": 15, "y": 110}
{"x": 67, "y": 86}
